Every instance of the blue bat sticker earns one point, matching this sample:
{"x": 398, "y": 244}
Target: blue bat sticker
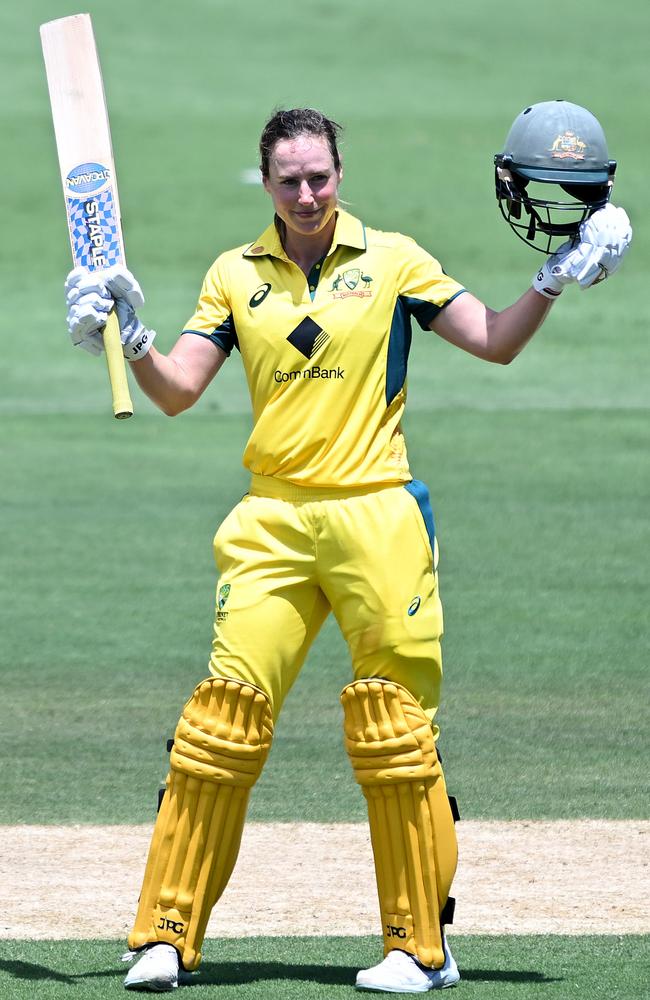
{"x": 92, "y": 217}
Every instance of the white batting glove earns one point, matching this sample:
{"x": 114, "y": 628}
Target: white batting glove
{"x": 88, "y": 305}
{"x": 90, "y": 296}
{"x": 555, "y": 273}
{"x": 604, "y": 239}
{"x": 127, "y": 295}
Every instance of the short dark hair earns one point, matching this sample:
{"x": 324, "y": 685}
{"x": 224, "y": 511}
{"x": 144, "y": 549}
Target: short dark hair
{"x": 290, "y": 124}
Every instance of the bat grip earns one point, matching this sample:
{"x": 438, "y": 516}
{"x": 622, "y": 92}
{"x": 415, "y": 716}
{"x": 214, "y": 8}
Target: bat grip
{"x": 122, "y": 405}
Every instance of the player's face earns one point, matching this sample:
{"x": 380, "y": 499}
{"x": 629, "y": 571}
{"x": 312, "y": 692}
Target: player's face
{"x": 303, "y": 183}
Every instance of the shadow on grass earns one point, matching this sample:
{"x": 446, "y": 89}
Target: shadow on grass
{"x": 30, "y": 972}
{"x": 238, "y": 973}
{"x": 507, "y": 976}
{"x": 33, "y": 973}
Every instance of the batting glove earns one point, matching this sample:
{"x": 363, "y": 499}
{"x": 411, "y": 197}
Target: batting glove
{"x": 604, "y": 239}
{"x": 88, "y": 305}
{"x": 555, "y": 272}
{"x": 90, "y": 296}
{"x": 127, "y": 295}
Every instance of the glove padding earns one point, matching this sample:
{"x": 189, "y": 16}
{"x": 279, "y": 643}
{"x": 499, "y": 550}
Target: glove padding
{"x": 604, "y": 239}
{"x": 90, "y": 296}
{"x": 88, "y": 305}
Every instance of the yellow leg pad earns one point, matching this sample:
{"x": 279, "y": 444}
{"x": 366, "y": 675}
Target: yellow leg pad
{"x": 221, "y": 743}
{"x": 391, "y": 747}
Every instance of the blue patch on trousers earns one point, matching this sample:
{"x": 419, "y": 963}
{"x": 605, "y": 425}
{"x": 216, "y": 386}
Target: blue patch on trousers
{"x": 418, "y": 490}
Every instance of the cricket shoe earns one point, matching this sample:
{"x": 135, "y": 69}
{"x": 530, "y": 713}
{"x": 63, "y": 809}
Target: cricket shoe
{"x": 158, "y": 969}
{"x": 402, "y": 973}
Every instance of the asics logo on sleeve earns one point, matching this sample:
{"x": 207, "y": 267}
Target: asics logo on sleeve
{"x": 258, "y": 296}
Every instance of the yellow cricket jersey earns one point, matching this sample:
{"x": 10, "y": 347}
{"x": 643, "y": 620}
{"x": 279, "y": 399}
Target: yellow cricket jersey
{"x": 325, "y": 356}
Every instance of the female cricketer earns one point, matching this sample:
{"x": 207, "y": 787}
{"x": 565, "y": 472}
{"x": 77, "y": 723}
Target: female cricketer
{"x": 319, "y": 307}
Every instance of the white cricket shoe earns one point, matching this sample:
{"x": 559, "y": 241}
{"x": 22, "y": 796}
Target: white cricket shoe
{"x": 158, "y": 969}
{"x": 402, "y": 973}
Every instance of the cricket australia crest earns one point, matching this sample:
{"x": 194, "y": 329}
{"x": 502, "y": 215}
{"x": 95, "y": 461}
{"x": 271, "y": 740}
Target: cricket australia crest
{"x": 346, "y": 284}
{"x": 222, "y": 596}
{"x": 568, "y": 146}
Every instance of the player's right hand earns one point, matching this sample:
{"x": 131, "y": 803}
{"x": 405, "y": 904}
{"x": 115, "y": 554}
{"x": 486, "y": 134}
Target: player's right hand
{"x": 90, "y": 296}
{"x": 89, "y": 304}
{"x": 127, "y": 295}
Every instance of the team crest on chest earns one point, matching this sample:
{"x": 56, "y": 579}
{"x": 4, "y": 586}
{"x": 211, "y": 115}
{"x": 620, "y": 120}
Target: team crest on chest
{"x": 352, "y": 282}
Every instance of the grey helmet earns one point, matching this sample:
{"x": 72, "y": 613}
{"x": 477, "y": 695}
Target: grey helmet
{"x": 552, "y": 143}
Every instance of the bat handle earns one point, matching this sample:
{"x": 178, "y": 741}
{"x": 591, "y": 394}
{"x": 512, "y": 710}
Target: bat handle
{"x": 122, "y": 405}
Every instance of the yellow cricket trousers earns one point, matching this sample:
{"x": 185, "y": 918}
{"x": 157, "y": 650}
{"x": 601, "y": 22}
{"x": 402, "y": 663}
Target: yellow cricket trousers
{"x": 288, "y": 555}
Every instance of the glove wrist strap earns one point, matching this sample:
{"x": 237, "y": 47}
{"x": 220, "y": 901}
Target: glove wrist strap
{"x": 140, "y": 345}
{"x": 546, "y": 284}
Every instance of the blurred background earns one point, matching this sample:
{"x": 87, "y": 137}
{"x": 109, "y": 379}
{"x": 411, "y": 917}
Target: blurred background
{"x": 538, "y": 472}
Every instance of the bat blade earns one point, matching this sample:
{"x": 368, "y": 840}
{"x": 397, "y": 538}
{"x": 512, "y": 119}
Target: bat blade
{"x": 83, "y": 140}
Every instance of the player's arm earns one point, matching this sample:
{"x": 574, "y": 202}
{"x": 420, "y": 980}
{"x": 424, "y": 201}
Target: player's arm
{"x": 598, "y": 252}
{"x": 494, "y": 336}
{"x": 175, "y": 381}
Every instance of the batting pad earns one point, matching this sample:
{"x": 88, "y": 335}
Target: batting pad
{"x": 220, "y": 746}
{"x": 391, "y": 747}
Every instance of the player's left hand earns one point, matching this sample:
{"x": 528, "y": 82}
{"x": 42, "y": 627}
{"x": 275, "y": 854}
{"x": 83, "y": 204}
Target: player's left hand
{"x": 605, "y": 238}
{"x": 603, "y": 241}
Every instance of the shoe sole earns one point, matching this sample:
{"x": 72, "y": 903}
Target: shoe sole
{"x": 396, "y": 989}
{"x": 146, "y": 986}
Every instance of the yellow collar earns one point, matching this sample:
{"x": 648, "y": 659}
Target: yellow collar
{"x": 348, "y": 232}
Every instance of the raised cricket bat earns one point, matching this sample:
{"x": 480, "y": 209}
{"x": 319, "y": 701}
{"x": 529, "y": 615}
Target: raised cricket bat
{"x": 83, "y": 140}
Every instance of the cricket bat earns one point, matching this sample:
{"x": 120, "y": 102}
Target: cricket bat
{"x": 83, "y": 140}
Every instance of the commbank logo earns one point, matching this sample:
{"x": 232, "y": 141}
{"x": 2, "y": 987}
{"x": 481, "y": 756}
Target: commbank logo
{"x": 308, "y": 337}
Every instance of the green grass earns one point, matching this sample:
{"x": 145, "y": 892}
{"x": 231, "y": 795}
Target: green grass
{"x": 109, "y": 595}
{"x": 538, "y": 472}
{"x": 528, "y": 968}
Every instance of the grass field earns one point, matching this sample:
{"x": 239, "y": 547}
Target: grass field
{"x": 546, "y": 968}
{"x": 538, "y": 472}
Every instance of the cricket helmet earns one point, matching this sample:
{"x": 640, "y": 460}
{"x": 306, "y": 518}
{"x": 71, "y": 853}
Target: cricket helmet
{"x": 554, "y": 172}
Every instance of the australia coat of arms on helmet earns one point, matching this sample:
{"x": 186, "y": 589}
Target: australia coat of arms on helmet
{"x": 568, "y": 146}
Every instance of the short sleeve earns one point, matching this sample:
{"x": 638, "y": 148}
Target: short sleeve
{"x": 213, "y": 318}
{"x": 425, "y": 289}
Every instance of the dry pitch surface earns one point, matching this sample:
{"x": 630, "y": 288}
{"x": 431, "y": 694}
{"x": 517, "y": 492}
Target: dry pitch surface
{"x": 559, "y": 877}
